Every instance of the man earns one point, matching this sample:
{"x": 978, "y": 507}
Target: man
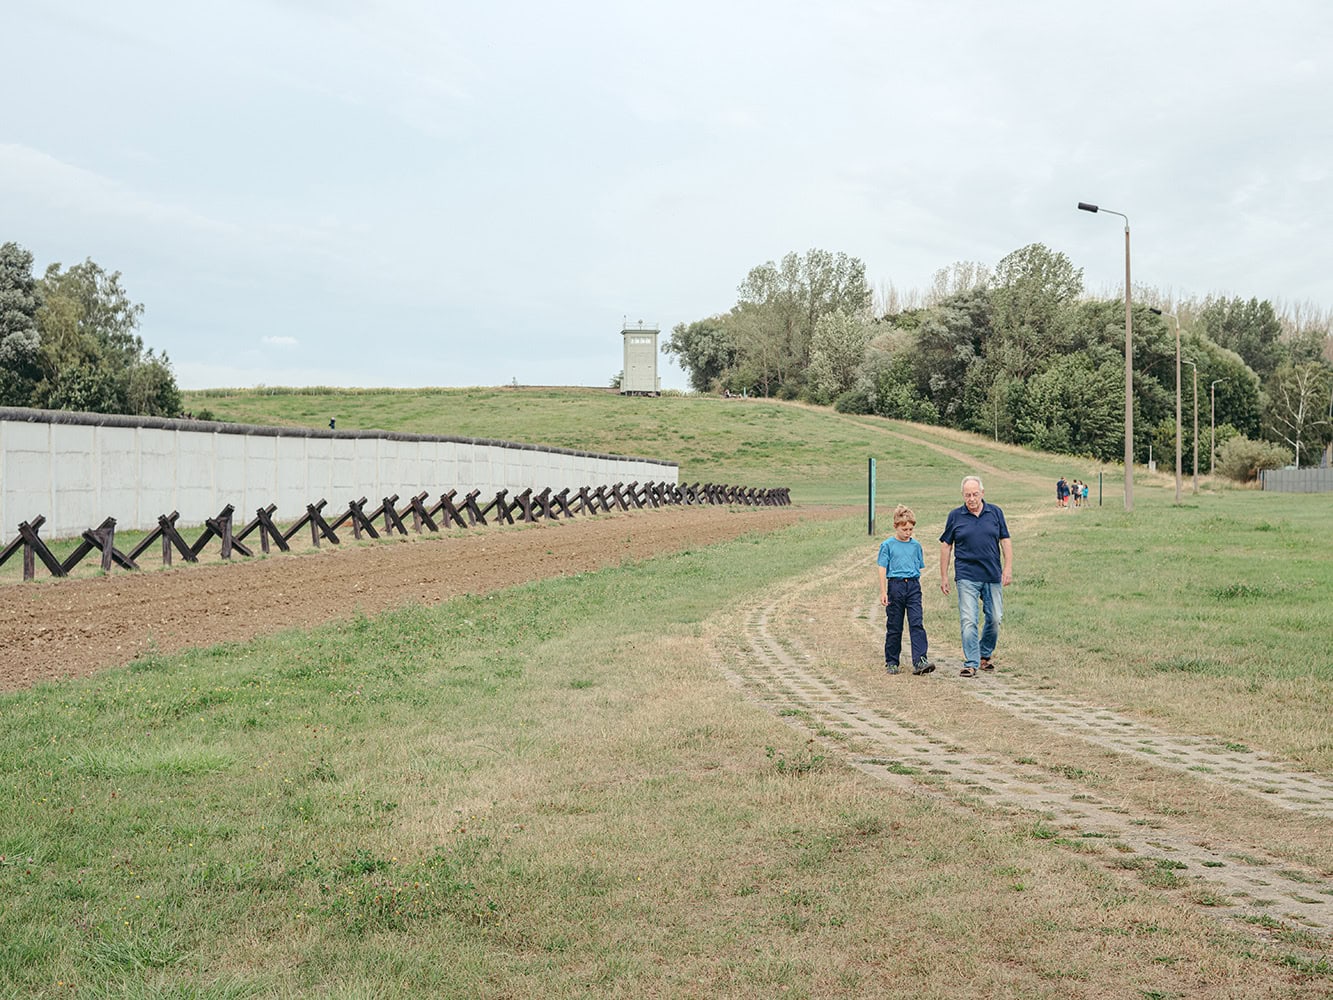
{"x": 978, "y": 537}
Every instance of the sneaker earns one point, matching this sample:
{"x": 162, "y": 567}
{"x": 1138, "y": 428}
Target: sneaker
{"x": 890, "y": 668}
{"x": 922, "y": 666}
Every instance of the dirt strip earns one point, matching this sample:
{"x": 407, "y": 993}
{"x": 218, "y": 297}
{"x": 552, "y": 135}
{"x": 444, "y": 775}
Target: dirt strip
{"x": 63, "y": 628}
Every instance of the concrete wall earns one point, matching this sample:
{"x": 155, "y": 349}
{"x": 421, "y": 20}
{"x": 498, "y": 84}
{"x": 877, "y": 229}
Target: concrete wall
{"x": 78, "y": 468}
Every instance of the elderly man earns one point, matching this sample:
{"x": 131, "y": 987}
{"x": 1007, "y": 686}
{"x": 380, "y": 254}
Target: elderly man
{"x": 978, "y": 538}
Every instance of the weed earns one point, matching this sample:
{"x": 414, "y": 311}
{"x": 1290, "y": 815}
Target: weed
{"x": 803, "y": 762}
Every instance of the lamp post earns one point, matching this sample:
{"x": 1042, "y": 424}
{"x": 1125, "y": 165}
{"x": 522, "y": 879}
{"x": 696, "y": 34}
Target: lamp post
{"x": 1160, "y": 312}
{"x": 1195, "y": 449}
{"x": 1212, "y": 423}
{"x": 1129, "y": 364}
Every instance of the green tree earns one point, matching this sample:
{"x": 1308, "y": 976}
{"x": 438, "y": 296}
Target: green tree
{"x": 1297, "y": 395}
{"x": 1250, "y": 328}
{"x": 705, "y": 350}
{"x": 20, "y": 341}
{"x": 888, "y": 383}
{"x": 1074, "y": 407}
{"x": 948, "y": 345}
{"x": 1035, "y": 288}
{"x": 91, "y": 356}
{"x": 836, "y": 352}
{"x": 781, "y": 302}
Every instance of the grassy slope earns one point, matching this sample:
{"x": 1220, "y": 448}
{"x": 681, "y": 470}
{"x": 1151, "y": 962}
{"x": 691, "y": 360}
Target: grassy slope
{"x": 820, "y": 454}
{"x": 557, "y": 795}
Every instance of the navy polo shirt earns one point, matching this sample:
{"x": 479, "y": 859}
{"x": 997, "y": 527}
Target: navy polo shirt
{"x": 976, "y": 543}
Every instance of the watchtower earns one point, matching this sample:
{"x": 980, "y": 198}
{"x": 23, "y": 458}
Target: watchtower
{"x": 640, "y": 373}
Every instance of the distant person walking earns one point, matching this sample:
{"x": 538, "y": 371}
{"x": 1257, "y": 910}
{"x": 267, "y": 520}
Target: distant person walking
{"x": 977, "y": 538}
{"x": 900, "y": 563}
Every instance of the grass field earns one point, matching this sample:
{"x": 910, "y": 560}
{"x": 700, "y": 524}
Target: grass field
{"x": 554, "y": 792}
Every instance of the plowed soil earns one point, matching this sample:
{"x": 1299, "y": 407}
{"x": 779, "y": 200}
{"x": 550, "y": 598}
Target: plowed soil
{"x": 65, "y": 628}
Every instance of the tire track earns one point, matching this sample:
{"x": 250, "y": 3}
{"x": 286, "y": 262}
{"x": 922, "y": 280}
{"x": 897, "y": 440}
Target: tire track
{"x": 774, "y": 668}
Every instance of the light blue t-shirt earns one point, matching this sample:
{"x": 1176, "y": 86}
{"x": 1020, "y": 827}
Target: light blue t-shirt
{"x": 901, "y": 558}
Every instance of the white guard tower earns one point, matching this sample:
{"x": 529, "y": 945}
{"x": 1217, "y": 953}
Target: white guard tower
{"x": 640, "y": 377}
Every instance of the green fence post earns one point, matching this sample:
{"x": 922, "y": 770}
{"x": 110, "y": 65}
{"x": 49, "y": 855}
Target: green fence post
{"x": 870, "y": 497}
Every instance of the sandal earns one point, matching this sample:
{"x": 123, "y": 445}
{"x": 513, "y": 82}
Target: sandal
{"x": 968, "y": 672}
{"x": 986, "y": 663}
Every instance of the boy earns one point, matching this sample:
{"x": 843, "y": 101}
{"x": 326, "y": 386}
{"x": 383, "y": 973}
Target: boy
{"x": 900, "y": 564}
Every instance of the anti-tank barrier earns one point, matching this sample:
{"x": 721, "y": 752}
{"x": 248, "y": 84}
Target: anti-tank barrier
{"x": 449, "y": 510}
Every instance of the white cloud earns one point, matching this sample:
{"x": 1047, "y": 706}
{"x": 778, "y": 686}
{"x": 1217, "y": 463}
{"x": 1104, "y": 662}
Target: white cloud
{"x": 446, "y": 194}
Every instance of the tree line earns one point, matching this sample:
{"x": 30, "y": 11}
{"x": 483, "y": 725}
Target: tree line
{"x": 1020, "y": 352}
{"x": 68, "y": 342}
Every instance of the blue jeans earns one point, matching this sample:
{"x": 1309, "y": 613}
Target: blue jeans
{"x": 979, "y": 640}
{"x": 904, "y": 600}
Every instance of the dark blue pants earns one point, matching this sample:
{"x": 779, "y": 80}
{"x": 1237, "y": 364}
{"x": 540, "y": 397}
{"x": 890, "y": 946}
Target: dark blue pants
{"x": 904, "y": 598}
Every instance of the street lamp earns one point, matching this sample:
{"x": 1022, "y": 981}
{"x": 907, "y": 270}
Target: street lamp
{"x": 1212, "y": 423}
{"x": 1129, "y": 364}
{"x": 1160, "y": 312}
{"x": 1195, "y": 449}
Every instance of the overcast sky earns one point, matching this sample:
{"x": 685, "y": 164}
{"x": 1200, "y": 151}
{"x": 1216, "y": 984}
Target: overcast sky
{"x": 420, "y": 192}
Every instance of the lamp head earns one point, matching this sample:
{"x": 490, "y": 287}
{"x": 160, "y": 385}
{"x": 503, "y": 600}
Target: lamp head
{"x": 1083, "y": 206}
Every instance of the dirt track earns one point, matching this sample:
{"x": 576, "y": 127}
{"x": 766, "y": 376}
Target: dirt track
{"x": 67, "y": 628}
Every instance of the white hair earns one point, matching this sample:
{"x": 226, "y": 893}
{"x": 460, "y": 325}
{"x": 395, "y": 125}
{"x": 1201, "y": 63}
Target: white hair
{"x": 975, "y": 479}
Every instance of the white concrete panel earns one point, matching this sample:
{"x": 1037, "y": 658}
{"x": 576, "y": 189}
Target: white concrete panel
{"x": 409, "y": 469}
{"x": 25, "y": 479}
{"x": 23, "y": 436}
{"x": 124, "y": 504}
{"x": 367, "y": 469}
{"x": 160, "y": 443}
{"x": 194, "y": 465}
{"x": 465, "y": 475}
{"x": 386, "y": 471}
{"x": 74, "y": 467}
{"x": 71, "y": 513}
{"x": 261, "y": 474}
{"x": 343, "y": 481}
{"x": 293, "y": 492}
{"x": 230, "y": 471}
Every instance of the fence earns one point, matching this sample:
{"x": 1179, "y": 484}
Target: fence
{"x": 448, "y": 511}
{"x": 1297, "y": 480}
{"x": 77, "y": 467}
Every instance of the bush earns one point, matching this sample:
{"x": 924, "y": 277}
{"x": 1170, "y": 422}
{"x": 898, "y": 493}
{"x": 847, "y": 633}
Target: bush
{"x": 853, "y": 401}
{"x": 1242, "y": 459}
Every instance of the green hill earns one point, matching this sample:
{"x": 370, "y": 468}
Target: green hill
{"x": 820, "y": 454}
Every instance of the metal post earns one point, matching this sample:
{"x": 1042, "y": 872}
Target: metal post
{"x": 870, "y": 496}
{"x": 1129, "y": 383}
{"x": 1161, "y": 312}
{"x": 1195, "y": 448}
{"x": 1129, "y": 362}
{"x": 1196, "y": 429}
